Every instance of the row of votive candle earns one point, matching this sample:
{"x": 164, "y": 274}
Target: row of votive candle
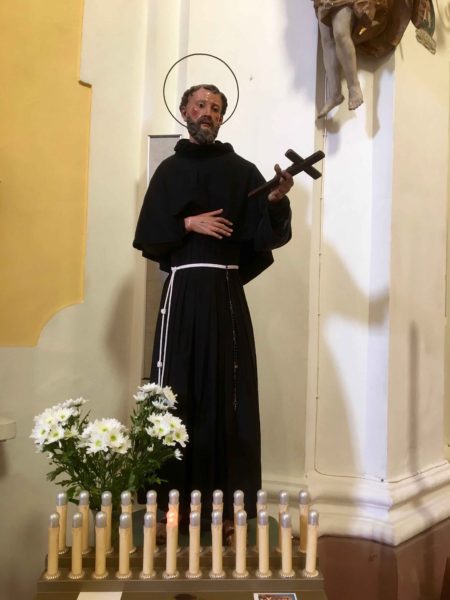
{"x": 308, "y": 526}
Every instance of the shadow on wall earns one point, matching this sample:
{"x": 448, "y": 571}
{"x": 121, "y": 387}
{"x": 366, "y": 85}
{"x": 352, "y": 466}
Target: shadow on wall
{"x": 118, "y": 336}
{"x": 300, "y": 39}
{"x": 346, "y": 301}
{"x": 284, "y": 324}
{"x": 4, "y": 466}
{"x": 342, "y": 302}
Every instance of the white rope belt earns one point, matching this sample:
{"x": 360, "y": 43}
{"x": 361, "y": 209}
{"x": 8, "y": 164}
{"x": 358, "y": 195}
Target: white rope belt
{"x": 165, "y": 311}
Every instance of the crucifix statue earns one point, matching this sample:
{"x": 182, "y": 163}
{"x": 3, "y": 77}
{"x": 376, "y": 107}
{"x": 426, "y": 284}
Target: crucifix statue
{"x": 336, "y": 22}
{"x": 371, "y": 27}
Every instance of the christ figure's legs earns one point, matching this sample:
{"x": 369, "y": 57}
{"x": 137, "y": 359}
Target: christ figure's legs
{"x": 342, "y": 22}
{"x": 339, "y": 51}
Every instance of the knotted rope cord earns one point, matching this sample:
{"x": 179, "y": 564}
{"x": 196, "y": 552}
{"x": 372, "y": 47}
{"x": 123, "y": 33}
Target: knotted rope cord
{"x": 166, "y": 311}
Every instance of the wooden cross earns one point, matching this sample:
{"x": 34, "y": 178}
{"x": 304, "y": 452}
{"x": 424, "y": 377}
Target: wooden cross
{"x": 299, "y": 164}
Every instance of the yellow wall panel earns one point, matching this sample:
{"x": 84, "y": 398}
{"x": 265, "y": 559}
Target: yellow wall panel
{"x": 44, "y": 143}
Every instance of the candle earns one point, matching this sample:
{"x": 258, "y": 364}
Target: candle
{"x": 261, "y": 504}
{"x": 283, "y": 505}
{"x": 286, "y": 546}
{"x": 174, "y": 500}
{"x": 100, "y": 571}
{"x": 241, "y": 544}
{"x": 171, "y": 544}
{"x": 124, "y": 546}
{"x": 217, "y": 503}
{"x": 238, "y": 501}
{"x": 238, "y": 504}
{"x": 152, "y": 505}
{"x": 148, "y": 548}
{"x": 263, "y": 545}
{"x": 76, "y": 571}
{"x": 303, "y": 500}
{"x": 83, "y": 507}
{"x": 61, "y": 509}
{"x": 311, "y": 549}
{"x": 196, "y": 501}
{"x": 194, "y": 546}
{"x": 126, "y": 507}
{"x": 174, "y": 507}
{"x": 261, "y": 500}
{"x": 52, "y": 556}
{"x": 107, "y": 509}
{"x": 217, "y": 571}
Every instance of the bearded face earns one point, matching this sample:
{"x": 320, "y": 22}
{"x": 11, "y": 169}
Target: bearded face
{"x": 203, "y": 131}
{"x": 203, "y": 116}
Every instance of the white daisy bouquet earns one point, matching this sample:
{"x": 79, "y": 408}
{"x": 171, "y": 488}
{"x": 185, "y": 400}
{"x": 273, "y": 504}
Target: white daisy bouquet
{"x": 103, "y": 454}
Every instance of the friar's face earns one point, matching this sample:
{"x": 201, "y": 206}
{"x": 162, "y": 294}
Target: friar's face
{"x": 203, "y": 116}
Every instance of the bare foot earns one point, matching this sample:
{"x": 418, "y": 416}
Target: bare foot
{"x": 355, "y": 98}
{"x": 329, "y": 105}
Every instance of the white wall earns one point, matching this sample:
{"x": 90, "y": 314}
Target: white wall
{"x": 85, "y": 349}
{"x": 272, "y": 48}
{"x": 275, "y": 112}
{"x": 95, "y": 348}
{"x": 375, "y": 456}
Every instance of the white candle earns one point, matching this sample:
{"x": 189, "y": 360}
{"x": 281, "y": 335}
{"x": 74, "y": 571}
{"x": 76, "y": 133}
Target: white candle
{"x": 241, "y": 545}
{"x": 311, "y": 549}
{"x": 238, "y": 501}
{"x": 126, "y": 506}
{"x": 61, "y": 509}
{"x": 174, "y": 507}
{"x": 283, "y": 505}
{"x": 216, "y": 535}
{"x": 76, "y": 571}
{"x": 107, "y": 509}
{"x": 303, "y": 500}
{"x": 261, "y": 500}
{"x": 217, "y": 503}
{"x": 152, "y": 506}
{"x": 52, "y": 556}
{"x": 100, "y": 571}
{"x": 171, "y": 545}
{"x": 263, "y": 545}
{"x": 148, "y": 549}
{"x": 83, "y": 507}
{"x": 174, "y": 500}
{"x": 286, "y": 546}
{"x": 196, "y": 501}
{"x": 261, "y": 504}
{"x": 124, "y": 546}
{"x": 238, "y": 504}
{"x": 194, "y": 546}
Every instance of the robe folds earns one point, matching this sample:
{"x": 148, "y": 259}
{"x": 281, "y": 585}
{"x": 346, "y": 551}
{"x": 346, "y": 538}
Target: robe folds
{"x": 209, "y": 359}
